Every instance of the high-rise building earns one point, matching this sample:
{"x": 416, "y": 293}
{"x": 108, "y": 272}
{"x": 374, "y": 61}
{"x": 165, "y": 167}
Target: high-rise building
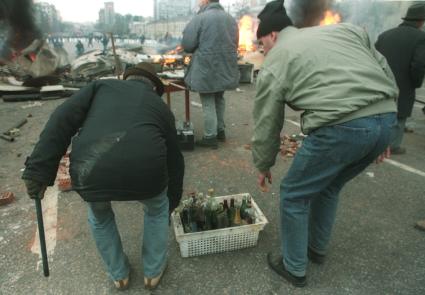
{"x": 167, "y": 9}
{"x": 109, "y": 13}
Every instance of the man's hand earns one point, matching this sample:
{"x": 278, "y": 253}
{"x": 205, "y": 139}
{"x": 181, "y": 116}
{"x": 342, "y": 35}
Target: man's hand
{"x": 35, "y": 189}
{"x": 385, "y": 155}
{"x": 262, "y": 181}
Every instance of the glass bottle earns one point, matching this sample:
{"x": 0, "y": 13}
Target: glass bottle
{"x": 231, "y": 212}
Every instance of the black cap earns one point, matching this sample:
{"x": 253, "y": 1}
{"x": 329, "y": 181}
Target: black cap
{"x": 416, "y": 12}
{"x": 273, "y": 18}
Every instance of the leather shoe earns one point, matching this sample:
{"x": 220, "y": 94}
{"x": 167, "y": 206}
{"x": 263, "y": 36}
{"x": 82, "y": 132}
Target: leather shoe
{"x": 276, "y": 263}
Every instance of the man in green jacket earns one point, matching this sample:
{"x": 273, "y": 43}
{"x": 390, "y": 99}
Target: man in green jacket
{"x": 346, "y": 90}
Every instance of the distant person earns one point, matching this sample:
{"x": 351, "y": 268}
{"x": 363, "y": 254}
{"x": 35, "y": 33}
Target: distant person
{"x": 404, "y": 49}
{"x": 80, "y": 48}
{"x": 124, "y": 148}
{"x": 347, "y": 93}
{"x": 212, "y": 37}
{"x": 105, "y": 41}
{"x": 90, "y": 40}
{"x": 142, "y": 39}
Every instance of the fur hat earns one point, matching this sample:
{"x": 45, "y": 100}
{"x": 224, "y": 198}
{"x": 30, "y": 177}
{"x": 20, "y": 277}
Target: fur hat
{"x": 146, "y": 70}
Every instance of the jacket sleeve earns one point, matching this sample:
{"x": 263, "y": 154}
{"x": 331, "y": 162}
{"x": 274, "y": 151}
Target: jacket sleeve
{"x": 417, "y": 67}
{"x": 56, "y": 136}
{"x": 175, "y": 164}
{"x": 190, "y": 41}
{"x": 269, "y": 114}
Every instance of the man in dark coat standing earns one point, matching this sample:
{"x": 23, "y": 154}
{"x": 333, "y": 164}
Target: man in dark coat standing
{"x": 404, "y": 48}
{"x": 212, "y": 36}
{"x": 124, "y": 148}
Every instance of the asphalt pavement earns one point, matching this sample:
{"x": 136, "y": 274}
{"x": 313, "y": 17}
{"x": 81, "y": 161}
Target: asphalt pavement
{"x": 375, "y": 248}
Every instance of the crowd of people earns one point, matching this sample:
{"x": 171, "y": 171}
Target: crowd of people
{"x": 355, "y": 100}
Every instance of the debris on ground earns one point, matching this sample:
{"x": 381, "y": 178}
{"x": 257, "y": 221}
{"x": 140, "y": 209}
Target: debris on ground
{"x": 14, "y": 131}
{"x": 63, "y": 178}
{"x": 290, "y": 144}
{"x": 6, "y": 198}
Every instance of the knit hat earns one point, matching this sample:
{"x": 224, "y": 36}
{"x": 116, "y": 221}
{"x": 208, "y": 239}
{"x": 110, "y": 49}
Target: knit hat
{"x": 146, "y": 70}
{"x": 273, "y": 18}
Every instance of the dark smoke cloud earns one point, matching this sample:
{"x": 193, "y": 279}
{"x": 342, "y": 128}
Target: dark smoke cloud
{"x": 307, "y": 13}
{"x": 19, "y": 16}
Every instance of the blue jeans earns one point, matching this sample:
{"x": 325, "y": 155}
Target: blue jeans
{"x": 213, "y": 106}
{"x": 398, "y": 133}
{"x": 328, "y": 158}
{"x": 108, "y": 240}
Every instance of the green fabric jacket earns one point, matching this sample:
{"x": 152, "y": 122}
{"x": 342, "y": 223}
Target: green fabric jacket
{"x": 331, "y": 73}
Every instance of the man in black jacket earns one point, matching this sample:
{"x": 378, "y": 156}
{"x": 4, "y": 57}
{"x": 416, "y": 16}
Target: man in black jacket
{"x": 124, "y": 147}
{"x": 404, "y": 48}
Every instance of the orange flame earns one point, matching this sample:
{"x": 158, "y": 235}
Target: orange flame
{"x": 330, "y": 18}
{"x": 177, "y": 50}
{"x": 169, "y": 60}
{"x": 246, "y": 34}
{"x": 187, "y": 60}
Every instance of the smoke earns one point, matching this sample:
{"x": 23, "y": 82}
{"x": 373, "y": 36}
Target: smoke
{"x": 307, "y": 13}
{"x": 374, "y": 16}
{"x": 19, "y": 16}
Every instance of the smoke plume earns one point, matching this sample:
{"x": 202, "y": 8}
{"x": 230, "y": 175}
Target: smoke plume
{"x": 307, "y": 13}
{"x": 19, "y": 16}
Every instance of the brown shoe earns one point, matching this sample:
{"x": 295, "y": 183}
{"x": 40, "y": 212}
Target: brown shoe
{"x": 152, "y": 283}
{"x": 122, "y": 284}
{"x": 420, "y": 225}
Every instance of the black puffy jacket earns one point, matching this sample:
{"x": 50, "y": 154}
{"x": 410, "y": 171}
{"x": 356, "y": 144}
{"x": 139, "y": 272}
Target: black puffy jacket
{"x": 125, "y": 146}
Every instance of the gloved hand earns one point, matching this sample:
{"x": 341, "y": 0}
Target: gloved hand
{"x": 35, "y": 189}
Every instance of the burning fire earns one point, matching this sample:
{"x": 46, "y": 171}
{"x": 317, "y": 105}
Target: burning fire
{"x": 330, "y": 18}
{"x": 169, "y": 60}
{"x": 246, "y": 34}
{"x": 187, "y": 60}
{"x": 176, "y": 50}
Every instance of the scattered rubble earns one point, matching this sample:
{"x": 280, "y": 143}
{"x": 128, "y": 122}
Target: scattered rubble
{"x": 290, "y": 144}
{"x": 63, "y": 178}
{"x": 6, "y": 198}
{"x": 14, "y": 131}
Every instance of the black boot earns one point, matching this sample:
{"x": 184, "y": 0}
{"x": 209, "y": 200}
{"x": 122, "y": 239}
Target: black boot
{"x": 207, "y": 142}
{"x": 276, "y": 263}
{"x": 221, "y": 136}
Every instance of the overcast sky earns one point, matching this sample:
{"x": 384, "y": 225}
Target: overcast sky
{"x": 88, "y": 10}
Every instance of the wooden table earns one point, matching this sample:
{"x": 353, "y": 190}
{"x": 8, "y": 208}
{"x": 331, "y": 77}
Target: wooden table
{"x": 174, "y": 86}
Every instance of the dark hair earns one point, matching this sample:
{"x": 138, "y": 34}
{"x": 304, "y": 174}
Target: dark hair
{"x": 214, "y": 1}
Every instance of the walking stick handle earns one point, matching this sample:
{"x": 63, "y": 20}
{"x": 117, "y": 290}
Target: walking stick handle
{"x": 41, "y": 236}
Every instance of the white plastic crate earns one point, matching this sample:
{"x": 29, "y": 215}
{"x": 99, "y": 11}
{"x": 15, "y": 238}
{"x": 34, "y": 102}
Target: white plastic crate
{"x": 219, "y": 240}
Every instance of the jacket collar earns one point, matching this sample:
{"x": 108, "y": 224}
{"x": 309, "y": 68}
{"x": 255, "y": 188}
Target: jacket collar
{"x": 214, "y": 5}
{"x": 408, "y": 23}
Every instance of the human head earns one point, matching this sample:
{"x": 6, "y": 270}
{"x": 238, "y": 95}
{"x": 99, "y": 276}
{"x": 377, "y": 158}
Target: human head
{"x": 273, "y": 19}
{"x": 146, "y": 70}
{"x": 416, "y": 13}
{"x": 202, "y": 3}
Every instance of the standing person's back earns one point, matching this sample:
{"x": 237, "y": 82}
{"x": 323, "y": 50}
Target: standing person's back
{"x": 404, "y": 49}
{"x": 212, "y": 37}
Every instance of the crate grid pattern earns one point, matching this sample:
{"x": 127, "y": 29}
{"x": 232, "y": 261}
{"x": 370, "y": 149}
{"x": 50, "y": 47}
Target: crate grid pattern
{"x": 220, "y": 244}
{"x": 220, "y": 240}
